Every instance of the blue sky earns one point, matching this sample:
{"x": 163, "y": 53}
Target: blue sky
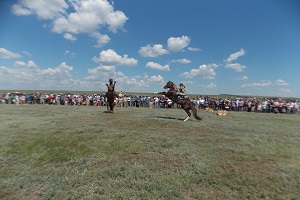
{"x": 249, "y": 47}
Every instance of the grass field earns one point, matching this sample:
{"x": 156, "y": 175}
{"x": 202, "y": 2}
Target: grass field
{"x": 67, "y": 152}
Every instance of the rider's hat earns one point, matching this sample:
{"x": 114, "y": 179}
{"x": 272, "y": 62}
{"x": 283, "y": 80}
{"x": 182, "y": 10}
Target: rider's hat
{"x": 110, "y": 80}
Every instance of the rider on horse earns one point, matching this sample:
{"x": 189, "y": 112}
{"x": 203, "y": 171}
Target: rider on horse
{"x": 111, "y": 86}
{"x": 182, "y": 91}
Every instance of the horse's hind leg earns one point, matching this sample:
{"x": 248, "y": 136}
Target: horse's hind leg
{"x": 186, "y": 118}
{"x": 187, "y": 110}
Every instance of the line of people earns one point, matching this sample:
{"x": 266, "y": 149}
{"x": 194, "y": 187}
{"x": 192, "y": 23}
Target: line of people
{"x": 124, "y": 100}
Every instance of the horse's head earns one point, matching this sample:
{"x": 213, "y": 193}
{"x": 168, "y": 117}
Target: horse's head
{"x": 168, "y": 85}
{"x": 172, "y": 86}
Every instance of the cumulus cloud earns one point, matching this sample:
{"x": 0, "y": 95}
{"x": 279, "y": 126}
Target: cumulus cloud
{"x": 154, "y": 51}
{"x": 70, "y": 37}
{"x": 285, "y": 91}
{"x": 243, "y": 78}
{"x": 100, "y": 39}
{"x": 19, "y": 9}
{"x": 43, "y": 9}
{"x": 25, "y": 75}
{"x": 175, "y": 44}
{"x": 236, "y": 55}
{"x": 110, "y": 57}
{"x": 258, "y": 85}
{"x": 26, "y": 53}
{"x": 154, "y": 79}
{"x": 264, "y": 83}
{"x": 182, "y": 61}
{"x": 23, "y": 65}
{"x": 236, "y": 66}
{"x": 193, "y": 49}
{"x": 211, "y": 86}
{"x": 72, "y": 54}
{"x": 99, "y": 76}
{"x": 152, "y": 65}
{"x": 5, "y": 54}
{"x": 280, "y": 82}
{"x": 178, "y": 43}
{"x": 204, "y": 71}
{"x": 34, "y": 77}
{"x": 102, "y": 72}
{"x": 75, "y": 16}
{"x": 89, "y": 16}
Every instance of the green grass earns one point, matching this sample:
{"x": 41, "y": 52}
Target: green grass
{"x": 67, "y": 152}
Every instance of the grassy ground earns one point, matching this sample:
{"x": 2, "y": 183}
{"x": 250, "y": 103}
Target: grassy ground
{"x": 66, "y": 152}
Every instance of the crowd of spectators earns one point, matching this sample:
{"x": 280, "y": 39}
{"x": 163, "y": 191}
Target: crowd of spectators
{"x": 264, "y": 105}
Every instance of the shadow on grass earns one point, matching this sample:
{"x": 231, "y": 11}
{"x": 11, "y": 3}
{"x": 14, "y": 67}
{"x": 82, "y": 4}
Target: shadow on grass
{"x": 108, "y": 112}
{"x": 173, "y": 118}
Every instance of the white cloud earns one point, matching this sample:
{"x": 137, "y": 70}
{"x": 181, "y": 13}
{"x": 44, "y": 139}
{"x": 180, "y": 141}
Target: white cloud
{"x": 72, "y": 54}
{"x": 18, "y": 9}
{"x": 182, "y": 61}
{"x": 22, "y": 65}
{"x": 152, "y": 65}
{"x": 110, "y": 57}
{"x": 102, "y": 72}
{"x": 138, "y": 83}
{"x": 285, "y": 91}
{"x": 156, "y": 50}
{"x": 99, "y": 77}
{"x": 204, "y": 71}
{"x": 211, "y": 86}
{"x": 43, "y": 9}
{"x": 70, "y": 37}
{"x": 243, "y": 78}
{"x": 258, "y": 85}
{"x": 236, "y": 55}
{"x": 178, "y": 43}
{"x": 154, "y": 79}
{"x": 100, "y": 39}
{"x": 88, "y": 16}
{"x": 5, "y": 54}
{"x": 280, "y": 82}
{"x": 30, "y": 75}
{"x": 236, "y": 66}
{"x": 193, "y": 49}
{"x": 26, "y": 53}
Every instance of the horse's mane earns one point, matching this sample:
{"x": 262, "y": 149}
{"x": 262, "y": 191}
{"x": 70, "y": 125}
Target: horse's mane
{"x": 173, "y": 87}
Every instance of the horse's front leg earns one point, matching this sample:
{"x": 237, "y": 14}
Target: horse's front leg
{"x": 107, "y": 107}
{"x": 163, "y": 93}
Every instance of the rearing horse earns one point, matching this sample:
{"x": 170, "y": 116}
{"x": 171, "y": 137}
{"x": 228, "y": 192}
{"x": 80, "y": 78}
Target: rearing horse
{"x": 186, "y": 103}
{"x": 110, "y": 96}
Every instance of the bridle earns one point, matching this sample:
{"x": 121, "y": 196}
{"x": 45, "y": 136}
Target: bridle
{"x": 172, "y": 87}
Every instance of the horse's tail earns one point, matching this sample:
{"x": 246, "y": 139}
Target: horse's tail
{"x": 195, "y": 113}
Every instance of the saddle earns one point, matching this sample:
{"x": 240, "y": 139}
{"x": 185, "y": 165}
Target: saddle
{"x": 182, "y": 95}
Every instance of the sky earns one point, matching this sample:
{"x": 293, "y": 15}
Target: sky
{"x": 238, "y": 47}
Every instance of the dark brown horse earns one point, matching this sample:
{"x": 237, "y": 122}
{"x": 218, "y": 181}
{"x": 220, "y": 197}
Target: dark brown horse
{"x": 186, "y": 103}
{"x": 110, "y": 102}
